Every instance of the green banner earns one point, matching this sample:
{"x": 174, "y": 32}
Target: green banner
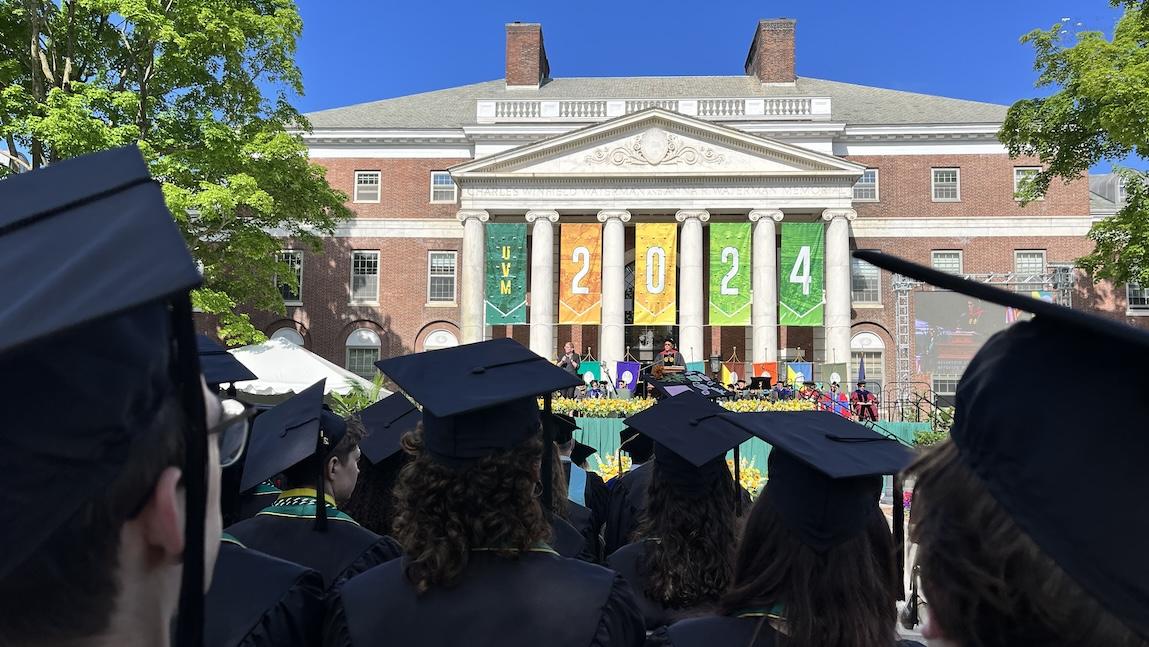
{"x": 506, "y": 300}
{"x": 801, "y": 274}
{"x": 730, "y": 274}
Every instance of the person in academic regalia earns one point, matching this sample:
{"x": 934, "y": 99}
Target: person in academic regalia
{"x": 835, "y": 401}
{"x": 373, "y": 502}
{"x": 110, "y": 446}
{"x": 588, "y": 500}
{"x": 816, "y": 562}
{"x": 317, "y": 451}
{"x": 864, "y": 403}
{"x": 628, "y": 491}
{"x": 1030, "y": 521}
{"x": 477, "y": 568}
{"x": 580, "y": 455}
{"x": 685, "y": 557}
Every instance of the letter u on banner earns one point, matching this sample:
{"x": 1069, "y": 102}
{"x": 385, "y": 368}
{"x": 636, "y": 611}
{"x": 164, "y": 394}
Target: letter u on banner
{"x": 654, "y": 273}
{"x": 506, "y": 289}
{"x": 580, "y": 274}
{"x": 730, "y": 274}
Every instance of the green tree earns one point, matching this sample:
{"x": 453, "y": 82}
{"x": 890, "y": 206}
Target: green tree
{"x": 203, "y": 87}
{"x": 1099, "y": 111}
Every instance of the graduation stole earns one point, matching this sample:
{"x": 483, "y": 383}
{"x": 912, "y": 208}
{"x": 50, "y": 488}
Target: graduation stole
{"x": 576, "y": 489}
{"x": 540, "y": 547}
{"x": 267, "y": 487}
{"x": 774, "y": 613}
{"x": 300, "y": 502}
{"x": 228, "y": 539}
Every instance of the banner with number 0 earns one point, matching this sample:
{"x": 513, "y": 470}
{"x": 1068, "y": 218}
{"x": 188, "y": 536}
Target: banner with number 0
{"x": 654, "y": 273}
{"x": 730, "y": 274}
{"x": 801, "y": 269}
{"x": 580, "y": 274}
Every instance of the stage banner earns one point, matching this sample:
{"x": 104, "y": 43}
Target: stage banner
{"x": 697, "y": 367}
{"x": 580, "y": 274}
{"x": 831, "y": 373}
{"x": 626, "y": 372}
{"x": 733, "y": 371}
{"x": 730, "y": 274}
{"x": 654, "y": 273}
{"x": 590, "y": 371}
{"x": 766, "y": 369}
{"x": 801, "y": 267}
{"x": 506, "y": 300}
{"x": 799, "y": 372}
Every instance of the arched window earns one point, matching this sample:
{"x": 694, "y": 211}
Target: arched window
{"x": 289, "y": 334}
{"x": 362, "y": 352}
{"x": 868, "y": 346}
{"x": 440, "y": 339}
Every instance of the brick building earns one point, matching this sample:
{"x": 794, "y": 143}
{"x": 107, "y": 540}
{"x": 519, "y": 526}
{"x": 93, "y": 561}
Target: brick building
{"x": 920, "y": 176}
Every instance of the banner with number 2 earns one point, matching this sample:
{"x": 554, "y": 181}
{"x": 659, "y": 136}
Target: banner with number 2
{"x": 654, "y": 273}
{"x": 580, "y": 274}
{"x": 801, "y": 267}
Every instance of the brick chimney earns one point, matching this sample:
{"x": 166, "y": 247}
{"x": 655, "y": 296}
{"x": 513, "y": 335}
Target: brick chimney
{"x": 771, "y": 56}
{"x": 527, "y": 65}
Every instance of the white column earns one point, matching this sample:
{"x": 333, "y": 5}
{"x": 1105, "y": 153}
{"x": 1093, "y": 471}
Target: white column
{"x": 838, "y": 283}
{"x": 612, "y": 334}
{"x": 692, "y": 309}
{"x": 473, "y": 274}
{"x": 764, "y": 285}
{"x": 543, "y": 282}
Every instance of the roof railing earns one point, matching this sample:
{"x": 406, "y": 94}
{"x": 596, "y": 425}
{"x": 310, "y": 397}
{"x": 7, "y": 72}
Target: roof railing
{"x": 492, "y": 111}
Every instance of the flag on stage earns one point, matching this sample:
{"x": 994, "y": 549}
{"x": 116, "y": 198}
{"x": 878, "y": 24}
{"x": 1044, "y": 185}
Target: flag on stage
{"x": 506, "y": 298}
{"x": 801, "y": 266}
{"x": 799, "y": 372}
{"x": 626, "y": 371}
{"x": 861, "y": 369}
{"x": 766, "y": 369}
{"x": 654, "y": 274}
{"x": 590, "y": 371}
{"x": 730, "y": 274}
{"x": 697, "y": 367}
{"x": 737, "y": 371}
{"x": 832, "y": 373}
{"x": 726, "y": 375}
{"x": 580, "y": 274}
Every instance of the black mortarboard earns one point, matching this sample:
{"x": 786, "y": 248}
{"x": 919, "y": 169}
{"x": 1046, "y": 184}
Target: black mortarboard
{"x": 386, "y": 421}
{"x": 1048, "y": 466}
{"x": 477, "y": 398}
{"x": 218, "y": 365}
{"x": 109, "y": 324}
{"x": 581, "y": 453}
{"x": 635, "y": 443}
{"x": 690, "y": 437}
{"x": 284, "y": 436}
{"x": 564, "y": 426}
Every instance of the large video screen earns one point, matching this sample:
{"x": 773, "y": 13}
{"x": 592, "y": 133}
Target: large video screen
{"x": 950, "y": 327}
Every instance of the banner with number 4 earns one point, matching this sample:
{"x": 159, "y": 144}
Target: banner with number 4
{"x": 801, "y": 280}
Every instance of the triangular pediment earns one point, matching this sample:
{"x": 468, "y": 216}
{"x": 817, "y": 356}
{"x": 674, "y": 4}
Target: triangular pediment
{"x": 656, "y": 142}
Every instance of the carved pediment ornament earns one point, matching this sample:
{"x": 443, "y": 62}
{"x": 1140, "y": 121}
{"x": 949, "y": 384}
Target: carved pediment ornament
{"x": 653, "y": 148}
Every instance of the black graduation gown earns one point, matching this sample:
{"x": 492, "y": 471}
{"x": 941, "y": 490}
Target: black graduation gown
{"x": 724, "y": 631}
{"x": 569, "y": 541}
{"x": 626, "y": 562}
{"x": 627, "y": 501}
{"x": 342, "y": 551}
{"x": 583, "y": 520}
{"x": 251, "y": 503}
{"x": 596, "y": 495}
{"x": 538, "y": 598}
{"x": 258, "y": 600}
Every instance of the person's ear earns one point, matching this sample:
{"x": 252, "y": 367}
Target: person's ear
{"x": 332, "y": 467}
{"x": 162, "y": 518}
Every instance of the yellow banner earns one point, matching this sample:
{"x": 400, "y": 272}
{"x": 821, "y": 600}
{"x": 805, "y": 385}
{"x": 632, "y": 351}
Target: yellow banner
{"x": 580, "y": 274}
{"x": 654, "y": 273}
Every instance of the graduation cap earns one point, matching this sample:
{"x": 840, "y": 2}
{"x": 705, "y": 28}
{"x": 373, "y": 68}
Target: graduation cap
{"x": 109, "y": 324}
{"x": 1049, "y": 465}
{"x": 564, "y": 426}
{"x": 218, "y": 365}
{"x": 386, "y": 421}
{"x": 690, "y": 438}
{"x": 675, "y": 383}
{"x": 477, "y": 398}
{"x": 581, "y": 453}
{"x": 635, "y": 443}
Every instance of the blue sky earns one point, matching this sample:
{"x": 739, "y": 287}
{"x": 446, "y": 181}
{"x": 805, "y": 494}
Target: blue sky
{"x": 362, "y": 50}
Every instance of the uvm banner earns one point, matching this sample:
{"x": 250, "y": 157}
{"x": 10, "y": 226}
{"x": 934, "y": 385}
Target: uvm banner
{"x": 801, "y": 266}
{"x": 654, "y": 273}
{"x": 580, "y": 274}
{"x": 730, "y": 274}
{"x": 506, "y": 301}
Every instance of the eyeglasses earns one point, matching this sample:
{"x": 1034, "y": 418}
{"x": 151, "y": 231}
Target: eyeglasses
{"x": 231, "y": 431}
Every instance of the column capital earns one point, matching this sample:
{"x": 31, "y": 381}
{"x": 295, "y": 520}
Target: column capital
{"x": 606, "y": 214}
{"x": 701, "y": 214}
{"x": 466, "y": 214}
{"x": 535, "y": 214}
{"x": 830, "y": 214}
{"x": 774, "y": 214}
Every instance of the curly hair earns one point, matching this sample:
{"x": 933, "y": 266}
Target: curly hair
{"x": 987, "y": 582}
{"x": 373, "y": 502}
{"x": 444, "y": 512}
{"x": 693, "y": 559}
{"x": 845, "y": 596}
{"x": 559, "y": 498}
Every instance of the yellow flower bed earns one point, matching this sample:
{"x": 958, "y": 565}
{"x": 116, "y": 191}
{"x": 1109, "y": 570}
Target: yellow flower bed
{"x": 751, "y": 477}
{"x": 608, "y": 408}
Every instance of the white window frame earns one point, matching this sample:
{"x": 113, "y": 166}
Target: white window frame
{"x": 877, "y": 193}
{"x": 1016, "y": 185}
{"x": 298, "y": 275}
{"x": 960, "y": 256}
{"x": 1027, "y": 286}
{"x": 934, "y": 183}
{"x": 378, "y": 187}
{"x": 455, "y": 278}
{"x": 943, "y": 377}
{"x": 351, "y": 280}
{"x": 865, "y": 304}
{"x": 454, "y": 188}
{"x": 349, "y": 345}
{"x": 1139, "y": 310}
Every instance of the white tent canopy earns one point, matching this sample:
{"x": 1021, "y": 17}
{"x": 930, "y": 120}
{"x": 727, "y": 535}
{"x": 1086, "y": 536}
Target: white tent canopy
{"x": 284, "y": 368}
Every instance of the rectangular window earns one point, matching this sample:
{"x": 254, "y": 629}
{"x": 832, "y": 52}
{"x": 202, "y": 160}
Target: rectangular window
{"x": 367, "y": 186}
{"x": 946, "y": 384}
{"x": 947, "y": 260}
{"x": 441, "y": 276}
{"x": 442, "y": 187}
{"x": 865, "y": 282}
{"x": 1022, "y": 175}
{"x": 293, "y": 259}
{"x": 866, "y": 188}
{"x": 364, "y": 277}
{"x": 1029, "y": 269}
{"x": 1138, "y": 297}
{"x": 946, "y": 183}
{"x": 361, "y": 361}
{"x": 875, "y": 368}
